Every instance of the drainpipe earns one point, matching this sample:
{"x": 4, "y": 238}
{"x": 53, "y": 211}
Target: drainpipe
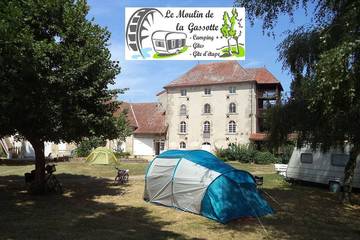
{"x": 251, "y": 109}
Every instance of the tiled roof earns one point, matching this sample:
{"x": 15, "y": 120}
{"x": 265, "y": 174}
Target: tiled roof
{"x": 161, "y": 92}
{"x": 262, "y": 76}
{"x": 124, "y": 106}
{"x": 264, "y": 136}
{"x": 222, "y": 72}
{"x": 146, "y": 118}
{"x": 258, "y": 137}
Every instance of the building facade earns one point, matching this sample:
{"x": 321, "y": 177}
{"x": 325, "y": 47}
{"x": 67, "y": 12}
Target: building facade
{"x": 218, "y": 104}
{"x": 149, "y": 130}
{"x": 211, "y": 106}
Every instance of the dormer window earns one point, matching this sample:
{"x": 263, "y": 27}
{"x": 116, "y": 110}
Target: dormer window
{"x": 183, "y": 92}
{"x": 207, "y": 91}
{"x": 232, "y": 90}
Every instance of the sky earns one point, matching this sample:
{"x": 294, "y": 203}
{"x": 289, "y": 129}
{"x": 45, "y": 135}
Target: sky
{"x": 146, "y": 78}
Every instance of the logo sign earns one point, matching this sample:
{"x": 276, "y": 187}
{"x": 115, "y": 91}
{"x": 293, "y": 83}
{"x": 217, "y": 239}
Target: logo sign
{"x": 185, "y": 33}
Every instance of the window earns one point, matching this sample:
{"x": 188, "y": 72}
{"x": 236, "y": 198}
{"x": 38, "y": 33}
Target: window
{"x": 207, "y": 108}
{"x": 182, "y": 145}
{"x": 159, "y": 44}
{"x": 206, "y": 127}
{"x": 183, "y": 109}
{"x": 232, "y": 108}
{"x": 232, "y": 89}
{"x": 207, "y": 91}
{"x": 232, "y": 127}
{"x": 231, "y": 145}
{"x": 162, "y": 146}
{"x": 171, "y": 44}
{"x": 183, "y": 92}
{"x": 183, "y": 42}
{"x": 306, "y": 158}
{"x": 339, "y": 160}
{"x": 178, "y": 43}
{"x": 206, "y": 146}
{"x": 183, "y": 127}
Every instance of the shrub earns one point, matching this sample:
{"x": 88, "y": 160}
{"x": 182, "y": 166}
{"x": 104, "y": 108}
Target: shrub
{"x": 221, "y": 153}
{"x": 87, "y": 145}
{"x": 265, "y": 158}
{"x": 241, "y": 153}
{"x": 287, "y": 151}
{"x": 246, "y": 154}
{"x": 122, "y": 154}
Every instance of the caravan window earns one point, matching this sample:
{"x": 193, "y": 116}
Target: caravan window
{"x": 159, "y": 43}
{"x": 171, "y": 44}
{"x": 339, "y": 160}
{"x": 306, "y": 158}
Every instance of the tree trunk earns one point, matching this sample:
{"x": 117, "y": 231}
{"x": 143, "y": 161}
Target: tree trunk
{"x": 237, "y": 46}
{"x": 230, "y": 53}
{"x": 39, "y": 183}
{"x": 349, "y": 174}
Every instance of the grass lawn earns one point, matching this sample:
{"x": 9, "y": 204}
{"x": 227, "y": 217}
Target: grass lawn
{"x": 93, "y": 208}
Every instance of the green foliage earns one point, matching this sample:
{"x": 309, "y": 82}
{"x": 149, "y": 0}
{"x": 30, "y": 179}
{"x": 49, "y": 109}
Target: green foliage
{"x": 2, "y": 152}
{"x": 324, "y": 60}
{"x": 233, "y": 21}
{"x": 265, "y": 158}
{"x": 323, "y": 57}
{"x": 123, "y": 127}
{"x": 225, "y": 27}
{"x": 55, "y": 70}
{"x": 245, "y": 154}
{"x": 87, "y": 145}
{"x": 286, "y": 152}
{"x": 122, "y": 154}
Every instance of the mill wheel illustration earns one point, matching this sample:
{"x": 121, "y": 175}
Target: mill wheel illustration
{"x": 138, "y": 28}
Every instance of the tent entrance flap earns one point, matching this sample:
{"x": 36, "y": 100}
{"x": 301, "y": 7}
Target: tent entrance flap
{"x": 189, "y": 185}
{"x": 159, "y": 180}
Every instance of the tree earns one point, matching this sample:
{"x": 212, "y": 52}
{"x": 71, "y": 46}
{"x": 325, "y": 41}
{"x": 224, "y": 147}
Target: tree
{"x": 225, "y": 30}
{"x": 123, "y": 126}
{"x": 55, "y": 70}
{"x": 323, "y": 58}
{"x": 232, "y": 32}
{"x": 85, "y": 147}
{"x": 88, "y": 144}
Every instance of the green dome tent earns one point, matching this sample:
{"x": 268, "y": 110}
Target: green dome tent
{"x": 101, "y": 155}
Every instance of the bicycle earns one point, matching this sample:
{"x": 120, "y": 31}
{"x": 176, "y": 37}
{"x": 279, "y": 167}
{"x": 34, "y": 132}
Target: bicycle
{"x": 51, "y": 182}
{"x": 122, "y": 176}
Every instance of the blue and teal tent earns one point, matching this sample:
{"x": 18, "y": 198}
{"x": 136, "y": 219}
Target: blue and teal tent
{"x": 196, "y": 181}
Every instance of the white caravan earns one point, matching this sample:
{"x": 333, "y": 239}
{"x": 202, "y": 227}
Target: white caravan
{"x": 165, "y": 42}
{"x": 318, "y": 167}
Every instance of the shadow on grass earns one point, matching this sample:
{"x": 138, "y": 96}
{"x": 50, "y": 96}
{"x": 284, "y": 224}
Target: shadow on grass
{"x": 6, "y": 162}
{"x": 77, "y": 214}
{"x": 302, "y": 213}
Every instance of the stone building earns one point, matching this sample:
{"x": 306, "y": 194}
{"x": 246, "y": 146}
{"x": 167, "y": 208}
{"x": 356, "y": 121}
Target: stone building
{"x": 211, "y": 106}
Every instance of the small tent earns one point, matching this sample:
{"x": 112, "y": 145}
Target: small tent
{"x": 101, "y": 155}
{"x": 196, "y": 181}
